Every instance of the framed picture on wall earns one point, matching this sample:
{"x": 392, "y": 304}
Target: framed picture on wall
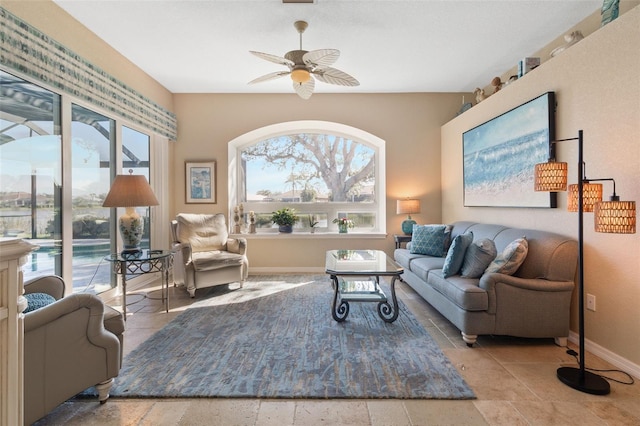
{"x": 201, "y": 182}
{"x": 499, "y": 156}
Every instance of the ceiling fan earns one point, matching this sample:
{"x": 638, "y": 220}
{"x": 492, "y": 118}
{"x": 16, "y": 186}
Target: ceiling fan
{"x": 304, "y": 65}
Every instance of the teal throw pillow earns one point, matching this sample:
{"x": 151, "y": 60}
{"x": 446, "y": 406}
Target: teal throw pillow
{"x": 478, "y": 256}
{"x": 37, "y": 301}
{"x": 455, "y": 255}
{"x": 511, "y": 257}
{"x": 428, "y": 239}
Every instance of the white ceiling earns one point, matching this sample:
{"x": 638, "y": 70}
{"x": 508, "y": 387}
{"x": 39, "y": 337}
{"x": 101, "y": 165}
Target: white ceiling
{"x": 194, "y": 46}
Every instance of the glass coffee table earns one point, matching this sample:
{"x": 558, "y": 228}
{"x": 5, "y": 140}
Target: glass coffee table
{"x": 355, "y": 276}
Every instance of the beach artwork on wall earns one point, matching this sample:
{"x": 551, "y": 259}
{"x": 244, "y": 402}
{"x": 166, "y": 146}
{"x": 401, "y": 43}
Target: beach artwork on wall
{"x": 500, "y": 156}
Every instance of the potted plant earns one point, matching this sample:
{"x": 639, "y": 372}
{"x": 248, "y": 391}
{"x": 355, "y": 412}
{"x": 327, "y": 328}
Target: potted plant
{"x": 312, "y": 223}
{"x": 285, "y": 219}
{"x": 343, "y": 224}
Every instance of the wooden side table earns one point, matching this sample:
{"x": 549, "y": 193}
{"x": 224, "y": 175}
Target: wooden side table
{"x": 401, "y": 238}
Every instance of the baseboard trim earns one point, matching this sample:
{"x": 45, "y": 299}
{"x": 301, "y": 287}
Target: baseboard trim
{"x": 604, "y": 353}
{"x": 289, "y": 270}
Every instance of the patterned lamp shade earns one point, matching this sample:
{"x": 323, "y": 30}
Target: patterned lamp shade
{"x": 615, "y": 217}
{"x": 591, "y": 194}
{"x": 551, "y": 176}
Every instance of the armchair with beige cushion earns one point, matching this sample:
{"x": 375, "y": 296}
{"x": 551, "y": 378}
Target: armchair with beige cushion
{"x": 205, "y": 256}
{"x": 69, "y": 345}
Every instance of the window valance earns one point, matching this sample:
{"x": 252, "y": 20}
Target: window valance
{"x": 26, "y": 49}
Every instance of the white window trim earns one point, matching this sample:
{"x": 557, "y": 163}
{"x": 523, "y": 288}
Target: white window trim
{"x": 236, "y": 145}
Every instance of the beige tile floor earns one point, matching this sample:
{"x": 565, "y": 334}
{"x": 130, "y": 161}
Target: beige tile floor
{"x": 514, "y": 380}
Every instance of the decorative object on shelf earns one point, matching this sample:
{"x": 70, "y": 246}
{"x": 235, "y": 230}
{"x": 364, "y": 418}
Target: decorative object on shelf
{"x": 609, "y": 11}
{"x": 130, "y": 191}
{"x": 502, "y": 152}
{"x": 241, "y": 214}
{"x": 480, "y": 96}
{"x": 200, "y": 178}
{"x": 285, "y": 219}
{"x": 497, "y": 84}
{"x": 312, "y": 223}
{"x": 570, "y": 39}
{"x": 343, "y": 224}
{"x": 236, "y": 220}
{"x": 615, "y": 216}
{"x": 465, "y": 106}
{"x": 527, "y": 64}
{"x": 252, "y": 222}
{"x": 408, "y": 206}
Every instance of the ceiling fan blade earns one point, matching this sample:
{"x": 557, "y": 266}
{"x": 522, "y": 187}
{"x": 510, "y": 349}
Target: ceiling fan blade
{"x": 335, "y": 76}
{"x": 273, "y": 58}
{"x": 321, "y": 57}
{"x": 304, "y": 90}
{"x": 270, "y": 76}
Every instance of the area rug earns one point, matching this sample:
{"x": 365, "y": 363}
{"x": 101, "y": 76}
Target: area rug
{"x": 275, "y": 338}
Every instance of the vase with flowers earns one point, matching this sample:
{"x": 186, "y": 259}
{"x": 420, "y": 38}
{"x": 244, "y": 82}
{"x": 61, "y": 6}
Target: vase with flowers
{"x": 343, "y": 224}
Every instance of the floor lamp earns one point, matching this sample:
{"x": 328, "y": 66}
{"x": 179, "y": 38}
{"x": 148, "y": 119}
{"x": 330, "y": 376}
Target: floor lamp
{"x": 613, "y": 216}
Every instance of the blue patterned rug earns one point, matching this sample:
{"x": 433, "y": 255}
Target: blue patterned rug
{"x": 275, "y": 338}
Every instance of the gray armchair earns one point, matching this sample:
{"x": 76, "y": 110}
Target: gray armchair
{"x": 69, "y": 346}
{"x": 205, "y": 256}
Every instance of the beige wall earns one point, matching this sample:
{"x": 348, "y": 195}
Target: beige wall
{"x": 597, "y": 85}
{"x": 47, "y": 17}
{"x": 409, "y": 123}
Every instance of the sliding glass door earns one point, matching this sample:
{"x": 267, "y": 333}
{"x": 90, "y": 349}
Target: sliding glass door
{"x": 92, "y": 142}
{"x": 43, "y": 137}
{"x": 31, "y": 171}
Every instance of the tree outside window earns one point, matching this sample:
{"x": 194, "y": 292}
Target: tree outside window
{"x": 323, "y": 175}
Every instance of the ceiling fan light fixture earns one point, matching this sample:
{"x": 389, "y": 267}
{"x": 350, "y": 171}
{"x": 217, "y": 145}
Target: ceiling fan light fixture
{"x": 300, "y": 75}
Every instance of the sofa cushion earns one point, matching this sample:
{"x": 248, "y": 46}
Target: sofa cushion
{"x": 37, "y": 301}
{"x": 208, "y": 260}
{"x": 428, "y": 239}
{"x": 509, "y": 260}
{"x": 463, "y": 292}
{"x": 422, "y": 265}
{"x": 404, "y": 257}
{"x": 478, "y": 256}
{"x": 455, "y": 254}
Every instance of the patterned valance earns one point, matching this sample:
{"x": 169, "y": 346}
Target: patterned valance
{"x": 25, "y": 49}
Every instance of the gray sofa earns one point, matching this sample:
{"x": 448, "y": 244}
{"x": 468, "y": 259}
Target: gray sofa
{"x": 534, "y": 302}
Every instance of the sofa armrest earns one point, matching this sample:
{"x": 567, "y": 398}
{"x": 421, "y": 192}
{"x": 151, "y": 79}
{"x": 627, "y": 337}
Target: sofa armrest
{"x": 509, "y": 292}
{"x": 237, "y": 245}
{"x": 52, "y": 285}
{"x": 182, "y": 252}
{"x": 489, "y": 281}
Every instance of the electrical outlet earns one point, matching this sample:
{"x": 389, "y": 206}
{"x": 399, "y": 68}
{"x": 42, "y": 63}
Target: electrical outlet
{"x": 591, "y": 302}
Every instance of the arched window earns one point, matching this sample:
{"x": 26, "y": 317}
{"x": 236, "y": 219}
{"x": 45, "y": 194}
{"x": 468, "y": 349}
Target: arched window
{"x": 323, "y": 170}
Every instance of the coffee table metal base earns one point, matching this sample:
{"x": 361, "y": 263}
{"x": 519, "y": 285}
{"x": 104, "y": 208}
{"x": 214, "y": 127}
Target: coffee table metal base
{"x": 365, "y": 290}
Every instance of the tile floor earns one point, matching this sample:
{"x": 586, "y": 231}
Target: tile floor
{"x": 514, "y": 380}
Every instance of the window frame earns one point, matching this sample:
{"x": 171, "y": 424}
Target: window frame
{"x": 236, "y": 179}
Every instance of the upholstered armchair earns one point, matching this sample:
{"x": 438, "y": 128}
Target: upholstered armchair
{"x": 205, "y": 256}
{"x": 69, "y": 345}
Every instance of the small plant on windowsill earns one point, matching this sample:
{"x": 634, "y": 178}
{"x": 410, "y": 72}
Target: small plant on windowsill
{"x": 312, "y": 223}
{"x": 285, "y": 219}
{"x": 343, "y": 224}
